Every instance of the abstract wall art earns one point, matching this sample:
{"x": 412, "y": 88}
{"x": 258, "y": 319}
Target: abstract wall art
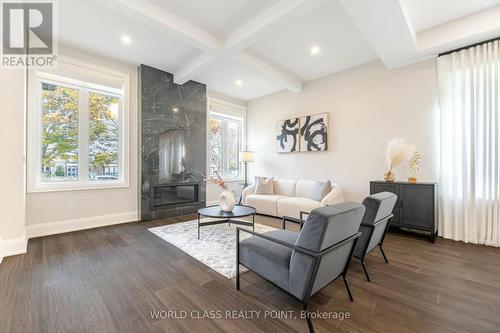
{"x": 314, "y": 132}
{"x": 287, "y": 135}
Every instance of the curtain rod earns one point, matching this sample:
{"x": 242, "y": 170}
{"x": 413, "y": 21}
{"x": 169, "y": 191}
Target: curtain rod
{"x": 468, "y": 46}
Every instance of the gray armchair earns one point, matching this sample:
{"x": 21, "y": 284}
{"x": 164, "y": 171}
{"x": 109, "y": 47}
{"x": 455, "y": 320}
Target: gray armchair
{"x": 304, "y": 263}
{"x": 374, "y": 225}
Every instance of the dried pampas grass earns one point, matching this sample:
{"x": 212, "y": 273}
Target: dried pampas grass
{"x": 398, "y": 151}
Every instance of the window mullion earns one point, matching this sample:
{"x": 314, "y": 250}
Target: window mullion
{"x": 83, "y": 137}
{"x": 240, "y": 147}
{"x": 224, "y": 147}
{"x": 38, "y": 143}
{"x": 121, "y": 140}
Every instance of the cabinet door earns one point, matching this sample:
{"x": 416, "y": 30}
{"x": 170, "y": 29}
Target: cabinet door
{"x": 388, "y": 187}
{"x": 417, "y": 206}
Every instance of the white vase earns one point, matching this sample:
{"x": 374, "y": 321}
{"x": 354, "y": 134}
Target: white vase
{"x": 227, "y": 200}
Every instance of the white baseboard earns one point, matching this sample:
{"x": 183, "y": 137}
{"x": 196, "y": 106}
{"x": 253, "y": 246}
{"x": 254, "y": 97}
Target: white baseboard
{"x": 212, "y": 202}
{"x": 14, "y": 246}
{"x": 59, "y": 227}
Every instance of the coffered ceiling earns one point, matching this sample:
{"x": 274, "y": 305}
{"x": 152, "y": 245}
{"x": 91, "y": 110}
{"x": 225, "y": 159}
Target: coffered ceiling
{"x": 250, "y": 48}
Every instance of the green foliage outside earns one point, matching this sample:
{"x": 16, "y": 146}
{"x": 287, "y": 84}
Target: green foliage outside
{"x": 104, "y": 131}
{"x": 59, "y": 171}
{"x": 60, "y": 112}
{"x": 59, "y": 125}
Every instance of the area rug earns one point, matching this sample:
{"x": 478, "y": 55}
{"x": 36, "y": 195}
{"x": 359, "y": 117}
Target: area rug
{"x": 216, "y": 247}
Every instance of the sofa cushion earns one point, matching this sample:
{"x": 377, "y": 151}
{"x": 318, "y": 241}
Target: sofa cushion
{"x": 320, "y": 190}
{"x": 294, "y": 205}
{"x": 284, "y": 187}
{"x": 304, "y": 188}
{"x": 264, "y": 185}
{"x": 269, "y": 259}
{"x": 264, "y": 204}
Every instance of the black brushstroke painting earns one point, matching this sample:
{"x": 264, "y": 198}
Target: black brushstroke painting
{"x": 287, "y": 139}
{"x": 314, "y": 133}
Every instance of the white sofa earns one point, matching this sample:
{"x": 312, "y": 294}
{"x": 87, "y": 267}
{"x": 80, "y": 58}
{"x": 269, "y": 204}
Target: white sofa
{"x": 290, "y": 198}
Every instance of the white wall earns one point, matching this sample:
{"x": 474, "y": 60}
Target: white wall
{"x": 50, "y": 212}
{"x": 12, "y": 165}
{"x": 367, "y": 106}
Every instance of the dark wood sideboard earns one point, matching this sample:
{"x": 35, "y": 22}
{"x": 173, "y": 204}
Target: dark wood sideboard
{"x": 416, "y": 207}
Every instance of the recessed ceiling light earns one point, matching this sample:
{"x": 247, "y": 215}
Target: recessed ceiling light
{"x": 238, "y": 82}
{"x": 175, "y": 109}
{"x": 315, "y": 50}
{"x": 126, "y": 39}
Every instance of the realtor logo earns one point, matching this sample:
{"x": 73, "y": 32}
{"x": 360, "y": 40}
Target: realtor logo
{"x": 28, "y": 34}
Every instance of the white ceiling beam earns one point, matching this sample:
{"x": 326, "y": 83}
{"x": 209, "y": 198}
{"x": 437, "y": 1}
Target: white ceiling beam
{"x": 193, "y": 68}
{"x": 264, "y": 23}
{"x": 272, "y": 71}
{"x": 385, "y": 26}
{"x": 214, "y": 48}
{"x": 158, "y": 18}
{"x": 279, "y": 15}
{"x": 465, "y": 31}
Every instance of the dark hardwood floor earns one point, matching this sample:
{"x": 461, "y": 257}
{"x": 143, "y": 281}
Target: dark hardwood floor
{"x": 110, "y": 279}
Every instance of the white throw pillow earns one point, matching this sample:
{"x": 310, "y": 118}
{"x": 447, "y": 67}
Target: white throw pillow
{"x": 264, "y": 185}
{"x": 320, "y": 190}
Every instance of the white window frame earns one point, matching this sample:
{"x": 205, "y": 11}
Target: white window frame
{"x": 222, "y": 109}
{"x": 87, "y": 78}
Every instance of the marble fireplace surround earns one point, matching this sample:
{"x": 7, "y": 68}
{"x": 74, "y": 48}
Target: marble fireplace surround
{"x": 173, "y": 128}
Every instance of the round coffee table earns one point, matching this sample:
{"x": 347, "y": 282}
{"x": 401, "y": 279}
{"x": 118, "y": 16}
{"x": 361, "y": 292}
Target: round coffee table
{"x": 226, "y": 217}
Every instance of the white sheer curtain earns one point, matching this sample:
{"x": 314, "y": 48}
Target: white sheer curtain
{"x": 469, "y": 94}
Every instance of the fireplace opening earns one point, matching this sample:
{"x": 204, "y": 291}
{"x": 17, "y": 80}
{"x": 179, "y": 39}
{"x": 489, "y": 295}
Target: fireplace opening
{"x": 174, "y": 194}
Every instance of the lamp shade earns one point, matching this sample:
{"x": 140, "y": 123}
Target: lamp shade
{"x": 246, "y": 156}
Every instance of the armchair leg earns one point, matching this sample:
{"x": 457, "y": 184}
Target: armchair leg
{"x": 237, "y": 259}
{"x": 237, "y": 276}
{"x": 383, "y": 254}
{"x": 347, "y": 287}
{"x": 308, "y": 319}
{"x": 366, "y": 271}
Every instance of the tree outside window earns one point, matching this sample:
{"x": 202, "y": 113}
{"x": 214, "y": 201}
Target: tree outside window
{"x": 60, "y": 111}
{"x": 224, "y": 137}
{"x": 104, "y": 135}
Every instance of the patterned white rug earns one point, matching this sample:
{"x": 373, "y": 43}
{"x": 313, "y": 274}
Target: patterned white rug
{"x": 216, "y": 247}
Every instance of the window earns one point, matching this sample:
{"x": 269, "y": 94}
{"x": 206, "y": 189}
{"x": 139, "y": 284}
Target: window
{"x": 104, "y": 136}
{"x": 225, "y": 141}
{"x": 76, "y": 130}
{"x": 59, "y": 133}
